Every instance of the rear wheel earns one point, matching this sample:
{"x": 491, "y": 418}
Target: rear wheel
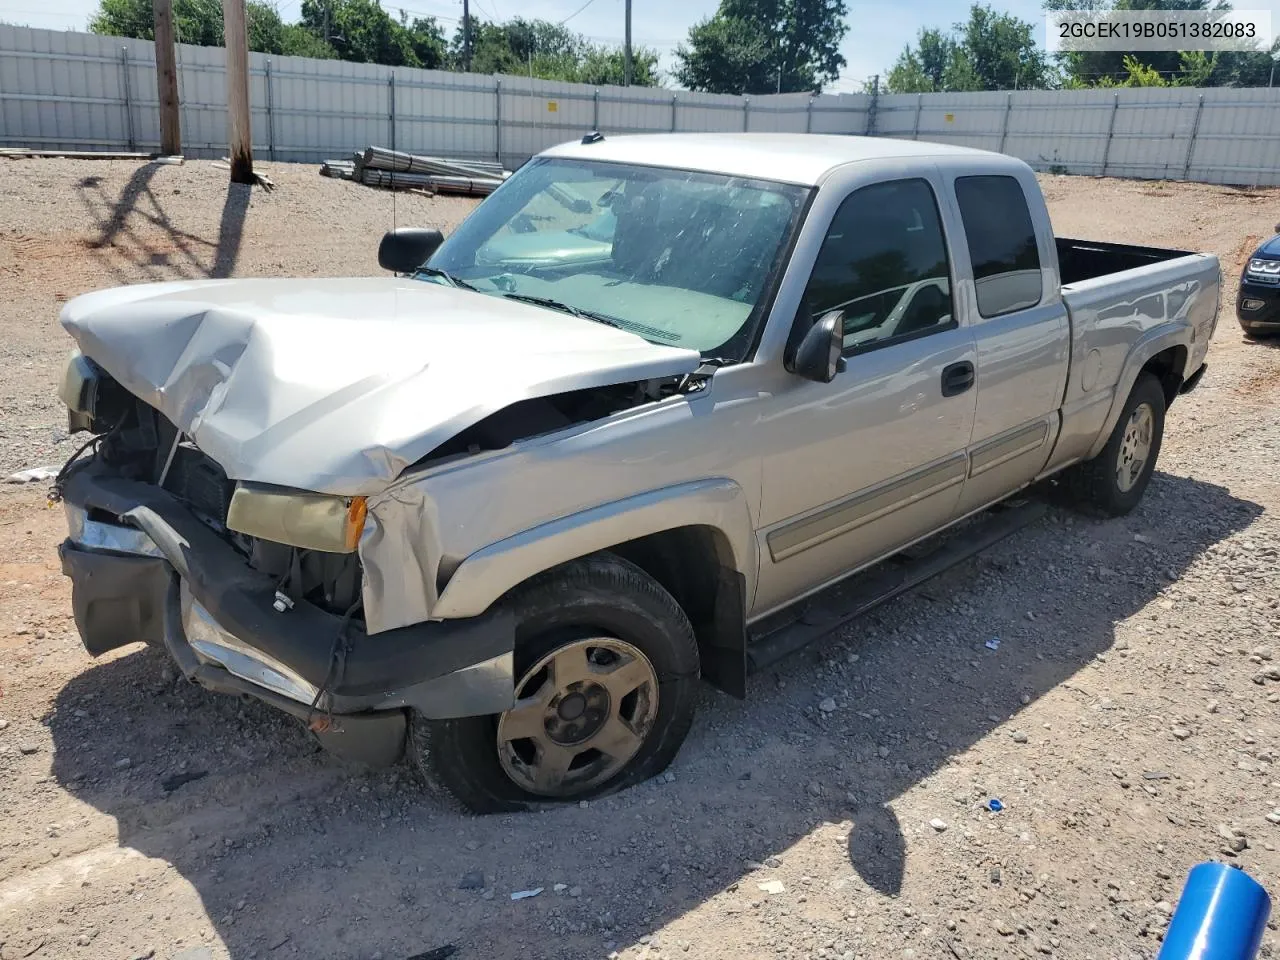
{"x": 606, "y": 671}
{"x": 1114, "y": 481}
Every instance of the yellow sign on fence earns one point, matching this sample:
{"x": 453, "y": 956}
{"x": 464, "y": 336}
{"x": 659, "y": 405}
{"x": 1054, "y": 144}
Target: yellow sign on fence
{"x": 552, "y": 106}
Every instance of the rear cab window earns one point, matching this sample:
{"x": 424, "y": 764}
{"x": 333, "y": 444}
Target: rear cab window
{"x": 1002, "y": 243}
{"x": 883, "y": 264}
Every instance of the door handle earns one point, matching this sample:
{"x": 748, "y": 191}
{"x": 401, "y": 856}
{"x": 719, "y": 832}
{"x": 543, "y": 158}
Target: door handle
{"x": 957, "y": 378}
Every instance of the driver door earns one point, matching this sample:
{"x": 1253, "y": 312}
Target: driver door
{"x": 861, "y": 466}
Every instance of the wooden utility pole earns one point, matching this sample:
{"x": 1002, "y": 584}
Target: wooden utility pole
{"x": 236, "y": 36}
{"x": 626, "y": 51}
{"x": 167, "y": 79}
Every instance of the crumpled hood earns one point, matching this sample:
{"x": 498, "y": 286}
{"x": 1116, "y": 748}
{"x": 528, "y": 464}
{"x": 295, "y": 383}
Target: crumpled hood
{"x": 337, "y": 385}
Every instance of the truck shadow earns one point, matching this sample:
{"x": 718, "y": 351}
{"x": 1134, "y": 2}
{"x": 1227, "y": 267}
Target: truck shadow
{"x": 295, "y": 855}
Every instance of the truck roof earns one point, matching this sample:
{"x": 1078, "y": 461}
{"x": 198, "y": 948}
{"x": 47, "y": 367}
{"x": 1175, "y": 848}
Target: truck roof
{"x": 800, "y": 158}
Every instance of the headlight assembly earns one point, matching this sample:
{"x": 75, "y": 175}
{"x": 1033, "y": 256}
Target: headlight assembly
{"x": 313, "y": 521}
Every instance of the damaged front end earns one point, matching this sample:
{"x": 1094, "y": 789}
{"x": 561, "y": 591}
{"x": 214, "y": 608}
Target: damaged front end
{"x": 251, "y": 503}
{"x": 153, "y": 557}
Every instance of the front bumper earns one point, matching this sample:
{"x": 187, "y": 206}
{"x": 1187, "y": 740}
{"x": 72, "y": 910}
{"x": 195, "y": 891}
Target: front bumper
{"x": 1263, "y": 313}
{"x": 143, "y": 568}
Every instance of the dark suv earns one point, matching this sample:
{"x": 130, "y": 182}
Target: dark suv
{"x": 1258, "y": 305}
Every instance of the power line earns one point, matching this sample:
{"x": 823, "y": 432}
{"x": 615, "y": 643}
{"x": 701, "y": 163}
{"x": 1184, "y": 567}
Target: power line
{"x": 576, "y": 12}
{"x": 426, "y": 13}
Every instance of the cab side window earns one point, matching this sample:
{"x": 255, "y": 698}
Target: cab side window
{"x": 1002, "y": 244}
{"x": 883, "y": 265}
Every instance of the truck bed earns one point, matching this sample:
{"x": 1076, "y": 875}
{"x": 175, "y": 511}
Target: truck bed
{"x": 1080, "y": 260}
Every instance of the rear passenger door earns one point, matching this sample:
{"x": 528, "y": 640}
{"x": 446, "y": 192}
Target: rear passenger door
{"x": 1020, "y": 329}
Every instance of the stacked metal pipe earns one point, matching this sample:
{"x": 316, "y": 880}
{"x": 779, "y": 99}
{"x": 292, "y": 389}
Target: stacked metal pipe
{"x": 391, "y": 180}
{"x": 395, "y": 169}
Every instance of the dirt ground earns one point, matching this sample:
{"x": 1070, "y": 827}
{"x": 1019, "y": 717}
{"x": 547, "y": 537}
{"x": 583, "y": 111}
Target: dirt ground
{"x": 1127, "y": 722}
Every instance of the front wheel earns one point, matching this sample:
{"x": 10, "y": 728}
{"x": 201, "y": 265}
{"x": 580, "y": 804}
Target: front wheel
{"x": 606, "y": 676}
{"x": 1114, "y": 481}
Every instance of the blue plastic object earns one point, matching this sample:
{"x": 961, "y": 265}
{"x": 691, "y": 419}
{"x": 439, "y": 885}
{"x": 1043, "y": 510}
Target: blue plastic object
{"x": 1221, "y": 915}
{"x": 994, "y": 805}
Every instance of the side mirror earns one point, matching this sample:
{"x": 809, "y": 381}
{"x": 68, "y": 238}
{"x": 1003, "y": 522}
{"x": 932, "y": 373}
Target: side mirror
{"x": 405, "y": 250}
{"x": 818, "y": 356}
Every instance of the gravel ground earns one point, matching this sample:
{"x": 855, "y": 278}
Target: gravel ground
{"x": 1127, "y": 720}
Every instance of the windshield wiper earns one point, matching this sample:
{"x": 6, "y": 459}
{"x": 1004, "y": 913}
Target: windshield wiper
{"x": 443, "y": 275}
{"x": 566, "y": 308}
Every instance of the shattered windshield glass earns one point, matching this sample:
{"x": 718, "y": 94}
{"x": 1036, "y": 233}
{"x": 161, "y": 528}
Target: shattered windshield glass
{"x": 676, "y": 257}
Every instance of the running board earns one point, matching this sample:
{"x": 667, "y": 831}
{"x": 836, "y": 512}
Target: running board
{"x": 851, "y": 598}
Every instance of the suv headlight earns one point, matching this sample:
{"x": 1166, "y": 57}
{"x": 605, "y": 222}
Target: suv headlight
{"x": 312, "y": 521}
{"x": 1264, "y": 268}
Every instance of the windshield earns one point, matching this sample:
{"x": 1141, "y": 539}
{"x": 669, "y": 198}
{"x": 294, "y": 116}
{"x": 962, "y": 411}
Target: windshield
{"x": 678, "y": 258}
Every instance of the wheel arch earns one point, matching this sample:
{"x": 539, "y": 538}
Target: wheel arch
{"x": 694, "y": 564}
{"x": 1163, "y": 353}
{"x": 695, "y": 539}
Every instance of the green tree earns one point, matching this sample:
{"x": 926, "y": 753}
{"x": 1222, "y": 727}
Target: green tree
{"x": 1180, "y": 68}
{"x": 1002, "y": 50}
{"x": 427, "y": 40}
{"x": 607, "y": 65}
{"x": 490, "y": 50}
{"x": 195, "y": 21}
{"x": 989, "y": 51}
{"x": 541, "y": 38}
{"x": 937, "y": 63}
{"x": 265, "y": 29}
{"x": 297, "y": 41}
{"x": 764, "y": 46}
{"x": 725, "y": 55}
{"x": 548, "y": 51}
{"x": 199, "y": 22}
{"x": 361, "y": 31}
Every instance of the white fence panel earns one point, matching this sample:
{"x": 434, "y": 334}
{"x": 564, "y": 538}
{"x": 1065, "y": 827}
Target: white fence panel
{"x": 1238, "y": 139}
{"x": 69, "y": 91}
{"x": 845, "y": 113}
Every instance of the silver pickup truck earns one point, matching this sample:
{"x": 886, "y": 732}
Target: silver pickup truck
{"x": 637, "y": 422}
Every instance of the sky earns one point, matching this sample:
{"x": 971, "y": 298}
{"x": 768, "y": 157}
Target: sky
{"x": 877, "y": 31}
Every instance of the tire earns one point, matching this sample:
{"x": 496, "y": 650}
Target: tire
{"x": 614, "y": 612}
{"x": 1097, "y": 484}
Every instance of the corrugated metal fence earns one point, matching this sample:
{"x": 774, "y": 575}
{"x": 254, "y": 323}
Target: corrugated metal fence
{"x": 81, "y": 91}
{"x": 1214, "y": 135}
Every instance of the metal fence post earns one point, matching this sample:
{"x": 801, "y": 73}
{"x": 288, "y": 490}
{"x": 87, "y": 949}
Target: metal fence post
{"x": 1004, "y": 131}
{"x": 595, "y": 109}
{"x": 746, "y": 114}
{"x": 497, "y": 120}
{"x": 674, "y": 101}
{"x": 391, "y": 107}
{"x": 1191, "y": 144}
{"x": 271, "y": 123}
{"x": 915, "y": 134}
{"x": 1111, "y": 129}
{"x": 808, "y": 117}
{"x": 870, "y": 130}
{"x": 128, "y": 97}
